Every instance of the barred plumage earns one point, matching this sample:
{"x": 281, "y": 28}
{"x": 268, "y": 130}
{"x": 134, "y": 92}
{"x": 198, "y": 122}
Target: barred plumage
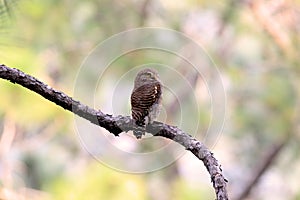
{"x": 145, "y": 99}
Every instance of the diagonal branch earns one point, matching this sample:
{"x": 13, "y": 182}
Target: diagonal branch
{"x": 263, "y": 166}
{"x": 119, "y": 124}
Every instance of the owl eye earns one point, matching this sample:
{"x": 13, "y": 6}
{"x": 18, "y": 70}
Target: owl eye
{"x": 147, "y": 75}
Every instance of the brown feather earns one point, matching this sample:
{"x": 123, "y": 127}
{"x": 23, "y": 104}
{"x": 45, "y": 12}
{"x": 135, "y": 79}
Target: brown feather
{"x": 142, "y": 99}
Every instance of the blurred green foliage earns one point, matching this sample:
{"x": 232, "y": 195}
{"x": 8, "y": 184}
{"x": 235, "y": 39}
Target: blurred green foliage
{"x": 49, "y": 39}
{"x": 98, "y": 182}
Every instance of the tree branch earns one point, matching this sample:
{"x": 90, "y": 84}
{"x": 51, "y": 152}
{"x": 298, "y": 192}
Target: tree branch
{"x": 265, "y": 164}
{"x": 119, "y": 124}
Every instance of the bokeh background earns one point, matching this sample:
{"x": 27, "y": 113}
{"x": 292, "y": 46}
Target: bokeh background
{"x": 255, "y": 45}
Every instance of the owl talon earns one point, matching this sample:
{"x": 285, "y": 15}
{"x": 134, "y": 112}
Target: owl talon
{"x": 138, "y": 132}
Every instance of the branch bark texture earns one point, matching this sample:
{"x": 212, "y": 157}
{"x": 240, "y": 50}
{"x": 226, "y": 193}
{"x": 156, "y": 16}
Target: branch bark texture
{"x": 119, "y": 124}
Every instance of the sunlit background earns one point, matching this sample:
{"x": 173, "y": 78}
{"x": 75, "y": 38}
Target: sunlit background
{"x": 254, "y": 43}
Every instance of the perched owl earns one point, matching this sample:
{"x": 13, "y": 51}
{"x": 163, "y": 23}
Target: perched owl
{"x": 145, "y": 99}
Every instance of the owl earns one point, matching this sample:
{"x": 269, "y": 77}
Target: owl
{"x": 145, "y": 99}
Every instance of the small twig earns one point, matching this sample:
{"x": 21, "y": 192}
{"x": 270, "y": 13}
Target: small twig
{"x": 278, "y": 34}
{"x": 144, "y": 12}
{"x": 183, "y": 93}
{"x": 119, "y": 124}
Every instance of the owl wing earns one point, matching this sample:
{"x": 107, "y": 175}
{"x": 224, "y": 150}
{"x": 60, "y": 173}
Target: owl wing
{"x": 142, "y": 99}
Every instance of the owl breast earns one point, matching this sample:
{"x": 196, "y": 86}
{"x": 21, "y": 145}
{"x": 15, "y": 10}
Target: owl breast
{"x": 145, "y": 103}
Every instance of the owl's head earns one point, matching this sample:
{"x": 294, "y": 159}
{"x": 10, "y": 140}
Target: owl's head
{"x": 146, "y": 76}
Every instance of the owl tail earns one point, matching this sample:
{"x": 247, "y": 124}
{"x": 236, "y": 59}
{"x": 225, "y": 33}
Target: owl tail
{"x": 139, "y": 131}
